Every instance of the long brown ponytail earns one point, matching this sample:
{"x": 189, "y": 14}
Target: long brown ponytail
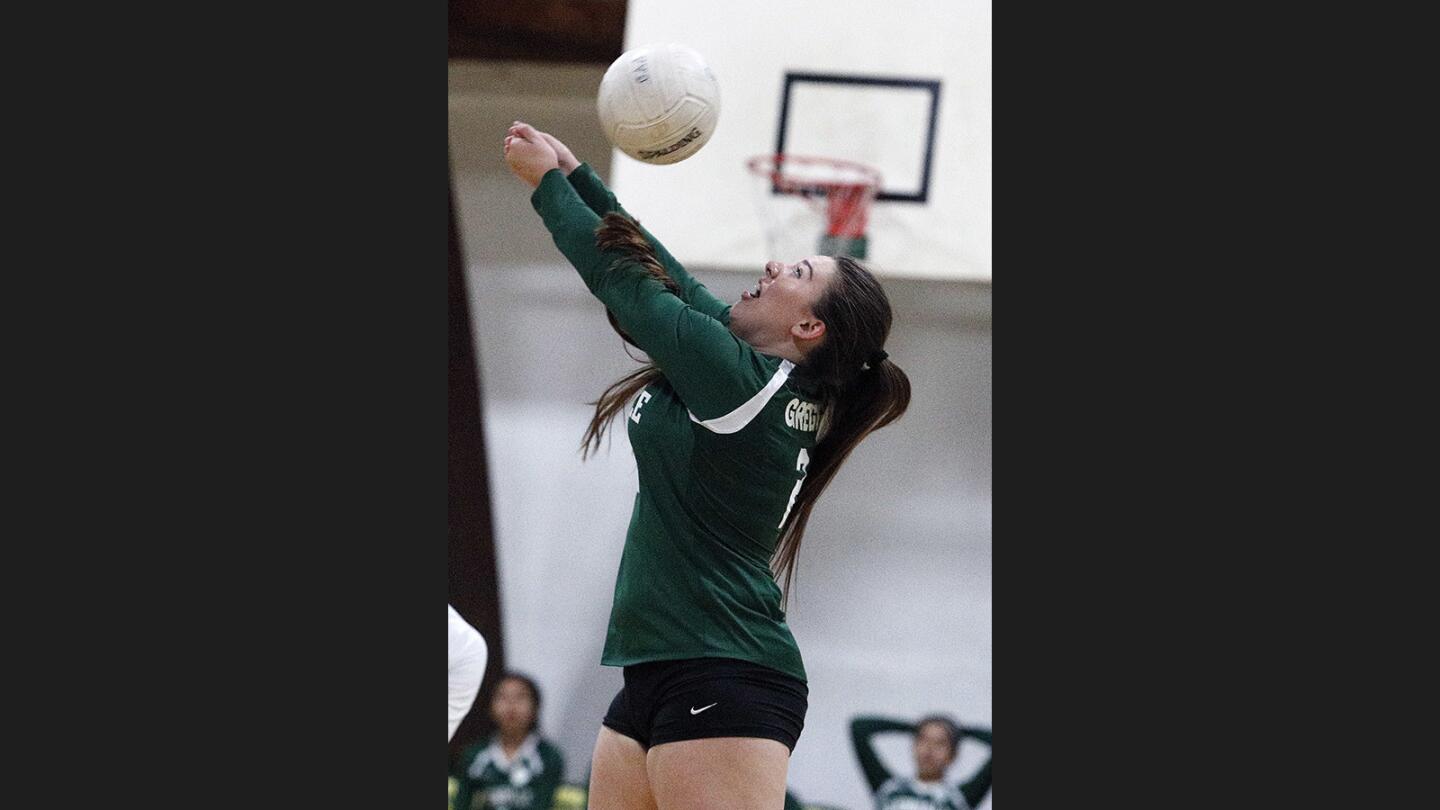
{"x": 619, "y": 233}
{"x": 860, "y": 391}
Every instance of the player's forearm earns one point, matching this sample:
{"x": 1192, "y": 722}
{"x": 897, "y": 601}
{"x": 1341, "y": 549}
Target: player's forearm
{"x": 639, "y": 302}
{"x": 601, "y": 200}
{"x": 696, "y": 351}
{"x": 572, "y": 226}
{"x": 592, "y": 190}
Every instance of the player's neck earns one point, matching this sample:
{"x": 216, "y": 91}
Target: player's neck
{"x": 784, "y": 349}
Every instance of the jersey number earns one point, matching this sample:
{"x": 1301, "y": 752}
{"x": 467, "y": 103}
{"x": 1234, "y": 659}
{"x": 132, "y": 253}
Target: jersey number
{"x": 801, "y": 464}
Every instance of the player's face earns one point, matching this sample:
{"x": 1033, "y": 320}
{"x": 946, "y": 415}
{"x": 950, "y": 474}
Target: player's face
{"x": 512, "y": 707}
{"x": 932, "y": 752}
{"x": 786, "y": 295}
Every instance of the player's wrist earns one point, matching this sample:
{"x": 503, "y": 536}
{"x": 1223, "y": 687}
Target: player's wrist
{"x": 539, "y": 176}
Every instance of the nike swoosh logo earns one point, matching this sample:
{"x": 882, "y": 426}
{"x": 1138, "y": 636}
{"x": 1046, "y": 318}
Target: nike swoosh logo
{"x": 694, "y": 710}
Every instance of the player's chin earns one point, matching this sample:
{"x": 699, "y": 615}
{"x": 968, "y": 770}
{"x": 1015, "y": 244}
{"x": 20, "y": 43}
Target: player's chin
{"x": 739, "y": 315}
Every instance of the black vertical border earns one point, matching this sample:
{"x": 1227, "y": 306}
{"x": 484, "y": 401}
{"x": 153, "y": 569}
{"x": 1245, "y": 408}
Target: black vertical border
{"x": 472, "y": 575}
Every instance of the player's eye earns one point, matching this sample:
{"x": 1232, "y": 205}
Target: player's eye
{"x": 797, "y": 271}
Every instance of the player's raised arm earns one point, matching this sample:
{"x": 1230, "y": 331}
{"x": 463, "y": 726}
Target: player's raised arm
{"x": 601, "y": 200}
{"x": 712, "y": 370}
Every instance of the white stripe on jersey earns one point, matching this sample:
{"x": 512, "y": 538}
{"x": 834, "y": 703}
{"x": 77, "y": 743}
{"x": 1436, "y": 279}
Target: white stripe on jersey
{"x": 740, "y": 417}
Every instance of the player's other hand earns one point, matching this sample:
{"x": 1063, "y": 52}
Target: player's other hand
{"x": 529, "y": 155}
{"x": 563, "y": 155}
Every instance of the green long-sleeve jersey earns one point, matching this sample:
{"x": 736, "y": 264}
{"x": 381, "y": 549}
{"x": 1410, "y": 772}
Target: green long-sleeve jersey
{"x": 721, "y": 445}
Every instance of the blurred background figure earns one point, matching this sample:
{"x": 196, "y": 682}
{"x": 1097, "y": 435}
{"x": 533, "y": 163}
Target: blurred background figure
{"x": 468, "y": 654}
{"x": 516, "y": 768}
{"x": 936, "y": 747}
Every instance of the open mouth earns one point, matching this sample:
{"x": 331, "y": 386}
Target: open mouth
{"x": 752, "y": 294}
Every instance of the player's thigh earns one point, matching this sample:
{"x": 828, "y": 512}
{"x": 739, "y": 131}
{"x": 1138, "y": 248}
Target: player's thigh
{"x": 618, "y": 777}
{"x": 719, "y": 773}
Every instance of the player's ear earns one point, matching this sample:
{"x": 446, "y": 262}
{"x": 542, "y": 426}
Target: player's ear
{"x": 811, "y": 328}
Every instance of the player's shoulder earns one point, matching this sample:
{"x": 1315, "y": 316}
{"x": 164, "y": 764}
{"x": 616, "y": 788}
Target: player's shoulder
{"x": 763, "y": 382}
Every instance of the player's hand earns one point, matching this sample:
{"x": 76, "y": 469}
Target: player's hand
{"x": 566, "y": 158}
{"x": 529, "y": 156}
{"x": 568, "y": 163}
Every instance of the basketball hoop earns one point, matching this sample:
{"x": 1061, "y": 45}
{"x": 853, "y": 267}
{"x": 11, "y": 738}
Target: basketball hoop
{"x": 840, "y": 190}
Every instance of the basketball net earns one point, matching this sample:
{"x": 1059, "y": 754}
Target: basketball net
{"x": 813, "y": 204}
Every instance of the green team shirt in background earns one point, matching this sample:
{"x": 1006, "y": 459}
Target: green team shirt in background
{"x": 721, "y": 445}
{"x": 908, "y": 793}
{"x": 489, "y": 781}
{"x": 897, "y": 792}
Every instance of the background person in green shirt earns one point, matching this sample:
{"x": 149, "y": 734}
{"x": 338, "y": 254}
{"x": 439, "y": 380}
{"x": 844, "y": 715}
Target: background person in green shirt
{"x": 738, "y": 423}
{"x": 516, "y": 769}
{"x": 937, "y": 743}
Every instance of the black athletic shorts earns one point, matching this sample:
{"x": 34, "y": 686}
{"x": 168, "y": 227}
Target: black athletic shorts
{"x": 696, "y": 698}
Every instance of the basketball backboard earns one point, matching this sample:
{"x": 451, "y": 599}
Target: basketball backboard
{"x": 903, "y": 87}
